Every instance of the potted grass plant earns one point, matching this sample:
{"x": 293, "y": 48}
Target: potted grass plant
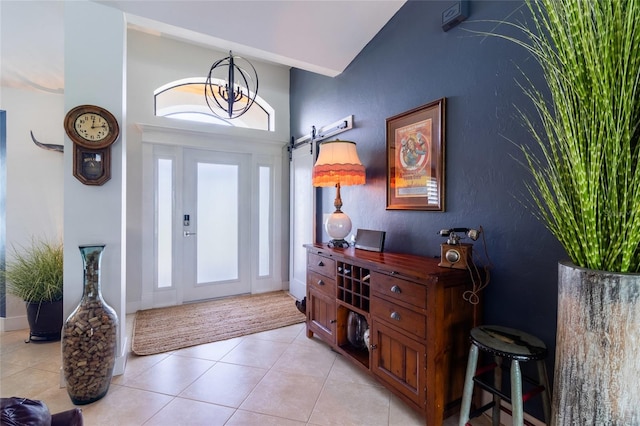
{"x": 34, "y": 274}
{"x": 585, "y": 187}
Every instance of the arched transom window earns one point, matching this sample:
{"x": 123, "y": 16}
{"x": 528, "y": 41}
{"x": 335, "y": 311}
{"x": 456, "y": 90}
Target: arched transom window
{"x": 184, "y": 99}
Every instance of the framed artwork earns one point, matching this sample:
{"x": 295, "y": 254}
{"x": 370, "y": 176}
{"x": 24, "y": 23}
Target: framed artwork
{"x": 415, "y": 158}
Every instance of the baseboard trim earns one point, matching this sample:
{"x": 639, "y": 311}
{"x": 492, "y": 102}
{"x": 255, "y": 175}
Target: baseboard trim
{"x": 133, "y": 307}
{"x": 14, "y": 323}
{"x": 121, "y": 361}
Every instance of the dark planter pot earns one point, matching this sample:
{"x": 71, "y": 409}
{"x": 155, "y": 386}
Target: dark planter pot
{"x": 597, "y": 368}
{"x": 45, "y": 321}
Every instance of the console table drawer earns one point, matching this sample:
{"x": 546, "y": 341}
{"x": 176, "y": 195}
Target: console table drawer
{"x": 399, "y": 289}
{"x": 397, "y": 316}
{"x": 322, "y": 265}
{"x": 321, "y": 283}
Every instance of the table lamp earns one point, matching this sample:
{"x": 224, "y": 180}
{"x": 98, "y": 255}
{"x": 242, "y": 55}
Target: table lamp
{"x": 338, "y": 165}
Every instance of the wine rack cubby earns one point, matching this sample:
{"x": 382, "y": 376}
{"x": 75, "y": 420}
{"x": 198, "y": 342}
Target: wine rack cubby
{"x": 354, "y": 285}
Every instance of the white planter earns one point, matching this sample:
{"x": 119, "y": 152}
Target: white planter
{"x": 597, "y": 365}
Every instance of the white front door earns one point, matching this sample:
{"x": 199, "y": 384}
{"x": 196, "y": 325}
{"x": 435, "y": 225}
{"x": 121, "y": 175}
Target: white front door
{"x": 216, "y": 224}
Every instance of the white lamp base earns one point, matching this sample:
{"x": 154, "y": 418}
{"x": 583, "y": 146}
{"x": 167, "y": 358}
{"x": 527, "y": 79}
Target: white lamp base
{"x": 338, "y": 226}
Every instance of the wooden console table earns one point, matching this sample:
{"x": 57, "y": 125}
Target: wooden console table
{"x": 419, "y": 322}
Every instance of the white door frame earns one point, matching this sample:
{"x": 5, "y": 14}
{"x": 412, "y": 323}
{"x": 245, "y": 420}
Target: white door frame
{"x": 170, "y": 143}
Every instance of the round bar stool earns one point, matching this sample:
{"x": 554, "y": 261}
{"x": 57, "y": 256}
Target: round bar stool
{"x": 518, "y": 346}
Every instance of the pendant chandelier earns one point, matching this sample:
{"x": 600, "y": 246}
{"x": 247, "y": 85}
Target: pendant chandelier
{"x": 231, "y": 87}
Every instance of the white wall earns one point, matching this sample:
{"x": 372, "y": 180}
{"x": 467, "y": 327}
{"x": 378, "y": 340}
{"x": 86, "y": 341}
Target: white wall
{"x": 34, "y": 177}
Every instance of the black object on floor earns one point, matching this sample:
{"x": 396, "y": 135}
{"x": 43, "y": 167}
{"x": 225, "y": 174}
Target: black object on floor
{"x": 302, "y": 305}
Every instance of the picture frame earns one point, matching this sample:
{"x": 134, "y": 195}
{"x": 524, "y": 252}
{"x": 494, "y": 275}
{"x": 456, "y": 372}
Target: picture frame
{"x": 415, "y": 158}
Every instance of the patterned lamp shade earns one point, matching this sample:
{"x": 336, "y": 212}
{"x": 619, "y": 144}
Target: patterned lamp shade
{"x": 338, "y": 163}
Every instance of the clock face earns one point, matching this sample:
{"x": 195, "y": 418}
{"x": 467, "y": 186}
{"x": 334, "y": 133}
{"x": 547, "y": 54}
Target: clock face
{"x": 91, "y": 126}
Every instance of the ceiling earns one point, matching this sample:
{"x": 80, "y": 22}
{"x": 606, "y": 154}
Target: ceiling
{"x": 321, "y": 36}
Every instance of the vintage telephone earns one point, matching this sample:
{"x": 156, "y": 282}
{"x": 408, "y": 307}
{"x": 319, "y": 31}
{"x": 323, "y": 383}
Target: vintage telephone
{"x": 455, "y": 254}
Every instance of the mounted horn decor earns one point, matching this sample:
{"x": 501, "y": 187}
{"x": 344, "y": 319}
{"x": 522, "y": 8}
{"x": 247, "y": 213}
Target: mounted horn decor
{"x": 47, "y": 146}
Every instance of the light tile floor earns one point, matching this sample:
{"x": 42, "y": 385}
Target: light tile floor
{"x": 278, "y": 377}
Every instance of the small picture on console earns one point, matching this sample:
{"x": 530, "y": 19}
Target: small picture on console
{"x": 370, "y": 240}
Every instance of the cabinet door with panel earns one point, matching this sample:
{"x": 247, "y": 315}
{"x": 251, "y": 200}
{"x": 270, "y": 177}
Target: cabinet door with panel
{"x": 399, "y": 361}
{"x": 321, "y": 312}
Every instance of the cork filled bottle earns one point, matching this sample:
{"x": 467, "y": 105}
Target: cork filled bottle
{"x": 89, "y": 337}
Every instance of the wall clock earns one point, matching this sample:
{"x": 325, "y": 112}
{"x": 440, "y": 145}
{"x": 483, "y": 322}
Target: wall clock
{"x": 91, "y": 166}
{"x": 93, "y": 130}
{"x": 91, "y": 126}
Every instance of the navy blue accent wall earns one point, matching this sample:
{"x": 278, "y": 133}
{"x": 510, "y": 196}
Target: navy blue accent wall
{"x": 411, "y": 62}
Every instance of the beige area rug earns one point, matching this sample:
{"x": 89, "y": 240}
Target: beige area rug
{"x": 167, "y": 329}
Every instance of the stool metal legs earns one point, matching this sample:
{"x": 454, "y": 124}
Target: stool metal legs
{"x": 517, "y": 403}
{"x": 518, "y": 347}
{"x": 516, "y": 394}
{"x": 465, "y": 408}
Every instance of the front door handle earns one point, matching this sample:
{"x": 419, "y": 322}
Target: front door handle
{"x": 188, "y": 234}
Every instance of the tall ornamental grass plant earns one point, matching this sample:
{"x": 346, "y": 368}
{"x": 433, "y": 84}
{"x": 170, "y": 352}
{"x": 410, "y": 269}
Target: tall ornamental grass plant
{"x": 585, "y": 165}
{"x": 35, "y": 273}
